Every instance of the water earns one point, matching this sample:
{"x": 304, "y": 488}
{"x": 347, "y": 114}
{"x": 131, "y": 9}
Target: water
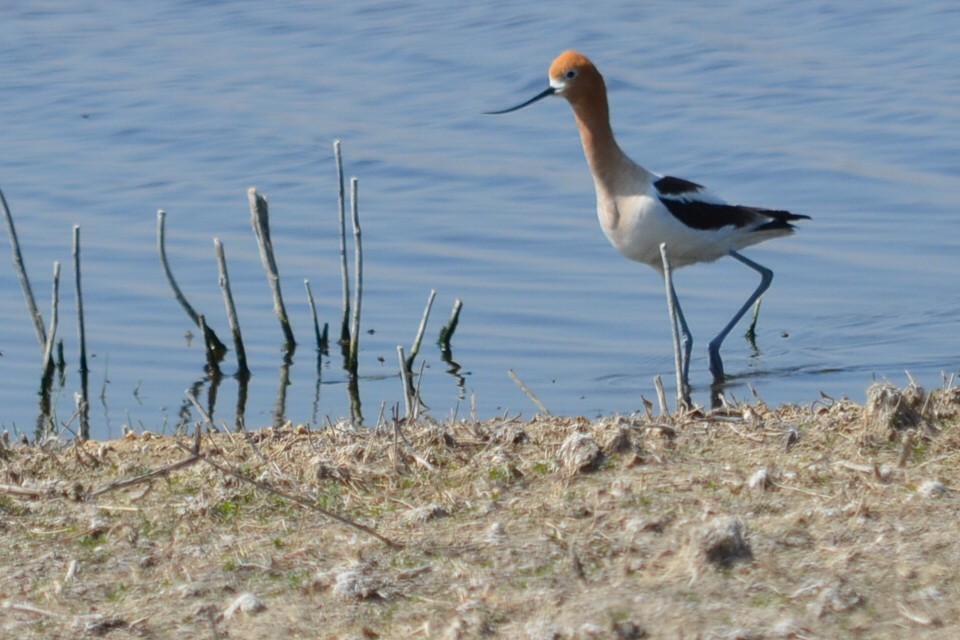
{"x": 847, "y": 113}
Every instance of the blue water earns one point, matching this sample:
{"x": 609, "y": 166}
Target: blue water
{"x": 848, "y": 113}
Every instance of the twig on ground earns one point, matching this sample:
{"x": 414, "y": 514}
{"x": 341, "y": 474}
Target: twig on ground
{"x": 296, "y": 499}
{"x": 16, "y": 490}
{"x": 156, "y": 473}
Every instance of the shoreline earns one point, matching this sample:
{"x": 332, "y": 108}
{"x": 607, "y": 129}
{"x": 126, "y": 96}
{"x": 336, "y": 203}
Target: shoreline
{"x": 829, "y": 520}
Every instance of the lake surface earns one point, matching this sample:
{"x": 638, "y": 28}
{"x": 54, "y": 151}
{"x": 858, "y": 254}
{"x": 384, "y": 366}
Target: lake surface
{"x": 849, "y": 113}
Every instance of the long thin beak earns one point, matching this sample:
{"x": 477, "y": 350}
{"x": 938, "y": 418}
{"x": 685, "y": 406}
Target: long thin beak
{"x": 549, "y": 91}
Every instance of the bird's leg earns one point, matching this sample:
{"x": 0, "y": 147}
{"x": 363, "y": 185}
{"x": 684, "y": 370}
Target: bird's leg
{"x": 766, "y": 277}
{"x": 686, "y": 338}
{"x": 678, "y": 325}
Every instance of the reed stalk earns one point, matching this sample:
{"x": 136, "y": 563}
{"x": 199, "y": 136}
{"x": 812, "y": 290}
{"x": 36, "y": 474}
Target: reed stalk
{"x": 54, "y": 316}
{"x": 358, "y": 274}
{"x": 209, "y": 336}
{"x": 415, "y": 348}
{"x": 260, "y": 219}
{"x": 405, "y": 383}
{"x": 446, "y": 333}
{"x": 533, "y": 398}
{"x": 344, "y": 273}
{"x": 242, "y": 369}
{"x": 84, "y": 408}
{"x": 22, "y": 274}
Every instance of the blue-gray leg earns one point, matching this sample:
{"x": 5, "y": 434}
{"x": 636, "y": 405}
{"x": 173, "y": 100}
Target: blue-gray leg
{"x": 686, "y": 338}
{"x": 766, "y": 277}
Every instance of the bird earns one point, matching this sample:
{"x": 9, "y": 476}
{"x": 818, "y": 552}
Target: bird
{"x": 639, "y": 210}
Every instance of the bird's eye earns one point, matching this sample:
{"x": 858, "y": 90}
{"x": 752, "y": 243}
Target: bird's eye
{"x": 571, "y": 74}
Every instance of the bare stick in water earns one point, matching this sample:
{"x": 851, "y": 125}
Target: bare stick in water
{"x": 344, "y": 274}
{"x": 321, "y": 336}
{"x": 210, "y": 337}
{"x": 405, "y": 383}
{"x": 415, "y": 349}
{"x": 260, "y": 218}
{"x": 543, "y": 409}
{"x": 54, "y": 304}
{"x": 84, "y": 404}
{"x": 242, "y": 369}
{"x": 446, "y": 333}
{"x": 22, "y": 274}
{"x": 683, "y": 387}
{"x": 358, "y": 273}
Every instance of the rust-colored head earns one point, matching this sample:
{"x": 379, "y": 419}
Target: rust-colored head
{"x": 573, "y": 77}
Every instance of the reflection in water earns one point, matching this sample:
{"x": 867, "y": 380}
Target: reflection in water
{"x": 280, "y": 406}
{"x": 353, "y": 390}
{"x": 453, "y": 368}
{"x": 243, "y": 380}
{"x": 55, "y": 379}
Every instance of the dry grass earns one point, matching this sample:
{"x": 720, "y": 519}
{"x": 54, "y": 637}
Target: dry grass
{"x": 829, "y": 521}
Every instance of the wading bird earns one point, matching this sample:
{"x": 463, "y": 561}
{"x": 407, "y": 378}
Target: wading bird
{"x": 639, "y": 210}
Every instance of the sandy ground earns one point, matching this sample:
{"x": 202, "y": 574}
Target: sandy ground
{"x": 831, "y": 520}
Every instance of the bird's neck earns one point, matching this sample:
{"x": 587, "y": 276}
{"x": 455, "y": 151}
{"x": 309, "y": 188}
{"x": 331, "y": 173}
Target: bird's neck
{"x": 603, "y": 154}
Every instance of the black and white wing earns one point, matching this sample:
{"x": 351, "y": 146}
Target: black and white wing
{"x": 697, "y": 208}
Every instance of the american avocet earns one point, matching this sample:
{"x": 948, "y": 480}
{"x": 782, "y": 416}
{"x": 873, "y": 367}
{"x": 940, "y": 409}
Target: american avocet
{"x": 639, "y": 210}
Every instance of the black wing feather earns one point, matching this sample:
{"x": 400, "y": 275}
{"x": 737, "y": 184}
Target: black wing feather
{"x": 681, "y": 197}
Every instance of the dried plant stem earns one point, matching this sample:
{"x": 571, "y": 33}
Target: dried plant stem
{"x": 415, "y": 349}
{"x": 405, "y": 383}
{"x": 242, "y": 369}
{"x": 260, "y": 218}
{"x": 84, "y": 408}
{"x": 358, "y": 273}
{"x": 22, "y": 274}
{"x": 54, "y": 315}
{"x": 542, "y": 407}
{"x": 162, "y": 472}
{"x": 303, "y": 502}
{"x": 661, "y": 395}
{"x": 210, "y": 337}
{"x": 446, "y": 333}
{"x": 417, "y": 402}
{"x": 344, "y": 273}
{"x": 683, "y": 386}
